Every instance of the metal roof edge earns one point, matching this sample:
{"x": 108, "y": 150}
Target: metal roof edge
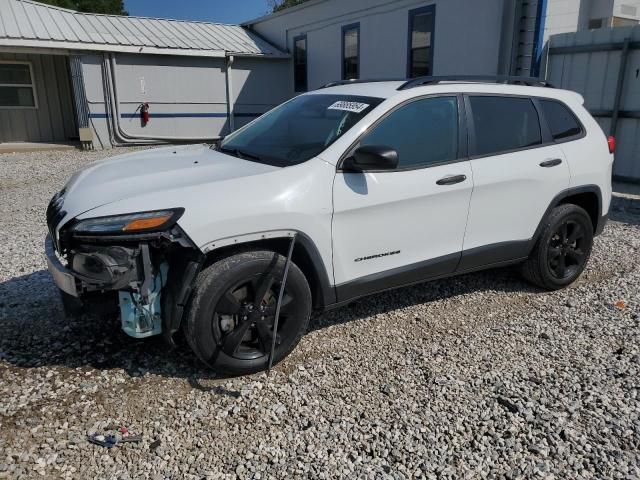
{"x": 76, "y": 12}
{"x": 63, "y": 46}
{"x": 46, "y": 5}
{"x": 113, "y": 33}
{"x": 286, "y": 11}
{"x": 282, "y": 56}
{"x": 101, "y": 47}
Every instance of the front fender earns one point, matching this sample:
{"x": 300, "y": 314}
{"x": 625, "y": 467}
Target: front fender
{"x": 306, "y": 255}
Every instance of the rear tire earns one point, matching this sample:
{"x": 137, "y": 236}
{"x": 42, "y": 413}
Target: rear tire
{"x": 229, "y": 322}
{"x": 562, "y": 250}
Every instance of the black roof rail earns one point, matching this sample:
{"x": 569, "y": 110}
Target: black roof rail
{"x": 337, "y": 83}
{"x": 529, "y": 81}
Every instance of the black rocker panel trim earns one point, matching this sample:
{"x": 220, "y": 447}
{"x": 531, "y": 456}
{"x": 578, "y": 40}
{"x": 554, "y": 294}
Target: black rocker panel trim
{"x": 480, "y": 257}
{"x": 428, "y": 270}
{"x": 397, "y": 277}
{"x": 490, "y": 256}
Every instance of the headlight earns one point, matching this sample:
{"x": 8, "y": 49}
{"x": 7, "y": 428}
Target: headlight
{"x": 130, "y": 223}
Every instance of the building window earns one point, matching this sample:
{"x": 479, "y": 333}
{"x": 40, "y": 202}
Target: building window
{"x": 16, "y": 85}
{"x": 421, "y": 28}
{"x": 351, "y": 51}
{"x": 300, "y": 63}
{"x": 596, "y": 23}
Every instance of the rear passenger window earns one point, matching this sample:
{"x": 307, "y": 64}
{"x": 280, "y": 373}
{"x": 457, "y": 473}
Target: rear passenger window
{"x": 562, "y": 122}
{"x": 504, "y": 123}
{"x": 423, "y": 132}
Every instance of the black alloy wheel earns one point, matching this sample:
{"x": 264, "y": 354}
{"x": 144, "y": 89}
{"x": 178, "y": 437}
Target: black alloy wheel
{"x": 230, "y": 318}
{"x": 562, "y": 249}
{"x": 566, "y": 252}
{"x": 245, "y": 314}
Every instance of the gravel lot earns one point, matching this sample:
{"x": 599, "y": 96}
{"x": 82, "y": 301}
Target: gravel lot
{"x": 479, "y": 376}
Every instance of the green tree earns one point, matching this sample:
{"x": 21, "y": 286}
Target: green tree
{"x": 113, "y": 7}
{"x": 277, "y": 5}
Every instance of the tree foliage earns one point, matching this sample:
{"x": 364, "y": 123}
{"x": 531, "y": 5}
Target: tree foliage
{"x": 277, "y": 5}
{"x": 113, "y": 7}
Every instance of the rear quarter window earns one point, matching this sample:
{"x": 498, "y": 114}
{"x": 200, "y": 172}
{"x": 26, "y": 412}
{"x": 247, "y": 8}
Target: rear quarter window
{"x": 561, "y": 120}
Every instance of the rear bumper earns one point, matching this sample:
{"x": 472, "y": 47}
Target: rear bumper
{"x": 62, "y": 276}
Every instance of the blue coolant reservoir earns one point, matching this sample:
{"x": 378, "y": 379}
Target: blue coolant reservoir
{"x": 140, "y": 320}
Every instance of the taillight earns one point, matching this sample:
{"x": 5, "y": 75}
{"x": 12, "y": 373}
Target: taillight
{"x": 611, "y": 141}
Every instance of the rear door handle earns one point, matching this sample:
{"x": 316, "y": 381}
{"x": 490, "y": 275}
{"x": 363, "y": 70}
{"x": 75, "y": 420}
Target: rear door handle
{"x": 551, "y": 163}
{"x": 451, "y": 179}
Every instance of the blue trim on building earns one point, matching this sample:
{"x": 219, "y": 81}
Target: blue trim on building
{"x": 536, "y": 55}
{"x": 178, "y": 115}
{"x": 345, "y": 28}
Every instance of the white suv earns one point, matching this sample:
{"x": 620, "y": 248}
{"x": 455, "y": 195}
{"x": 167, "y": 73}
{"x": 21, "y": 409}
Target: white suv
{"x": 373, "y": 185}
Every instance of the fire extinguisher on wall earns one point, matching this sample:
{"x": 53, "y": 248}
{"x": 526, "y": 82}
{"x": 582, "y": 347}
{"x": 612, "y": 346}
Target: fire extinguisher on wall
{"x": 144, "y": 114}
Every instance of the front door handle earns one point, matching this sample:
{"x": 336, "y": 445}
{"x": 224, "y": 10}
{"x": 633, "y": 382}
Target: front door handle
{"x": 451, "y": 179}
{"x": 551, "y": 163}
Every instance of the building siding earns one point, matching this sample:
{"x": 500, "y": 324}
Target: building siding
{"x": 595, "y": 76}
{"x": 468, "y": 36}
{"x": 53, "y": 120}
{"x": 187, "y": 96}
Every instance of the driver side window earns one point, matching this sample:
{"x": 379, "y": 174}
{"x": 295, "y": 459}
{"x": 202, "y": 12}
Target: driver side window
{"x": 423, "y": 132}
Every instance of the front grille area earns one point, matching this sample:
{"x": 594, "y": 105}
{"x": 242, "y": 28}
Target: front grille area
{"x": 54, "y": 215}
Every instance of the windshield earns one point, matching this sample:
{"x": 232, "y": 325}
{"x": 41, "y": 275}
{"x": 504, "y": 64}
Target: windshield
{"x": 299, "y": 129}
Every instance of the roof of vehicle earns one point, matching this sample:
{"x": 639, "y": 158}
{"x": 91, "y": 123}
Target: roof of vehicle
{"x": 388, "y": 89}
{"x": 366, "y": 89}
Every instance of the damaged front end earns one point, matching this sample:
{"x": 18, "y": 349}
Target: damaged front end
{"x": 140, "y": 265}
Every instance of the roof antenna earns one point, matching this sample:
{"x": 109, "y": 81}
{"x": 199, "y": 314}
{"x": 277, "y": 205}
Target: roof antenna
{"x": 280, "y": 295}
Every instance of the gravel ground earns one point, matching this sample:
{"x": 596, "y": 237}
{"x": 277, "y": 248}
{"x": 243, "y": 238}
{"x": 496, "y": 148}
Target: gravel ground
{"x": 479, "y": 376}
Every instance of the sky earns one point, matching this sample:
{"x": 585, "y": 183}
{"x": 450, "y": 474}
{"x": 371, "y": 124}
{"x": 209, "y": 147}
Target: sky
{"x": 223, "y": 11}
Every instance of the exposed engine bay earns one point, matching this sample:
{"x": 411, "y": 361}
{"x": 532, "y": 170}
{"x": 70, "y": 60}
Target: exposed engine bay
{"x": 145, "y": 278}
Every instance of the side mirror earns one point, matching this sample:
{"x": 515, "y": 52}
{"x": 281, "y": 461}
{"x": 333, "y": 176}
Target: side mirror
{"x": 371, "y": 157}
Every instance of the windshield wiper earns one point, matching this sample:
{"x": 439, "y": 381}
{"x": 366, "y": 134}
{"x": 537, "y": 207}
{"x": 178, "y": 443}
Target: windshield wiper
{"x": 236, "y": 152}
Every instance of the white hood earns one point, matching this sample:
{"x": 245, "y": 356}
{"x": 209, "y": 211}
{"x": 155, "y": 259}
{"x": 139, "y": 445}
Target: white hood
{"x": 150, "y": 171}
{"x": 222, "y": 196}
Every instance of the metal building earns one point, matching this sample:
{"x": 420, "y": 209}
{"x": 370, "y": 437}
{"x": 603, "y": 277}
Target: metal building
{"x": 604, "y": 66}
{"x": 342, "y": 39}
{"x": 65, "y": 75}
{"x": 349, "y": 39}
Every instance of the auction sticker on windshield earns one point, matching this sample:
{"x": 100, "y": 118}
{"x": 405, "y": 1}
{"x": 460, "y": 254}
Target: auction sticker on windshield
{"x": 355, "y": 107}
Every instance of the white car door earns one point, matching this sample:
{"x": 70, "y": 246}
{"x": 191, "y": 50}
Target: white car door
{"x": 517, "y": 172}
{"x": 400, "y": 226}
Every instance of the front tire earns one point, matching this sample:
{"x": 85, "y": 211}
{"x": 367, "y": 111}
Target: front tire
{"x": 229, "y": 323}
{"x": 562, "y": 250}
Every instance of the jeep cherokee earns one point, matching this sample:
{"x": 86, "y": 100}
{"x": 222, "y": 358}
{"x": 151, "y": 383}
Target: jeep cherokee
{"x": 371, "y": 186}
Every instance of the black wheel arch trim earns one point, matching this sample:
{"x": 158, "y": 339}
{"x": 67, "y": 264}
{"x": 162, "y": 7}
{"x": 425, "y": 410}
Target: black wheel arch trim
{"x": 558, "y": 199}
{"x": 185, "y": 270}
{"x": 324, "y": 293}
